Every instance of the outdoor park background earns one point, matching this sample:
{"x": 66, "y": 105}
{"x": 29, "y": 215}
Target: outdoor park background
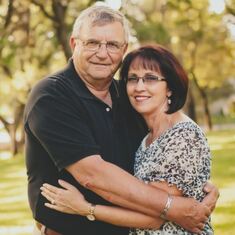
{"x": 33, "y": 43}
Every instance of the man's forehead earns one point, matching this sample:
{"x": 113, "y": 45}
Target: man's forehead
{"x": 89, "y": 23}
{"x": 89, "y": 28}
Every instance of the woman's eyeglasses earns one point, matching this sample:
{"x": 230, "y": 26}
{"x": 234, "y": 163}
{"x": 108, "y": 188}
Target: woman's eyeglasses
{"x": 147, "y": 79}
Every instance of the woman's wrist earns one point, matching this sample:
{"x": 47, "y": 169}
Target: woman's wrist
{"x": 91, "y": 212}
{"x": 82, "y": 208}
{"x": 164, "y": 212}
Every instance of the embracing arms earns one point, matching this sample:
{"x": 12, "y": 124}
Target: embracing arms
{"x": 69, "y": 200}
{"x": 123, "y": 189}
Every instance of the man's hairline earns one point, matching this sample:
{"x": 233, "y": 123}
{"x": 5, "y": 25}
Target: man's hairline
{"x": 100, "y": 22}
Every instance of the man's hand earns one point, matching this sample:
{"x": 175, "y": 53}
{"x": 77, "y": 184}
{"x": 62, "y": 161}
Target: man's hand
{"x": 189, "y": 213}
{"x": 213, "y": 194}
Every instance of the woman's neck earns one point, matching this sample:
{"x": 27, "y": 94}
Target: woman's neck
{"x": 160, "y": 123}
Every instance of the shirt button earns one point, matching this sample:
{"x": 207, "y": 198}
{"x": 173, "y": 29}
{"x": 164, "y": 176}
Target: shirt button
{"x": 107, "y": 109}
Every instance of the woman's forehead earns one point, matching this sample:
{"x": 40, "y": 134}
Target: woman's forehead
{"x": 145, "y": 63}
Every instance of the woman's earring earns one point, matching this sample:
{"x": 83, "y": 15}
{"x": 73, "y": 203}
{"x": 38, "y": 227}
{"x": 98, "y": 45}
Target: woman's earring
{"x": 168, "y": 100}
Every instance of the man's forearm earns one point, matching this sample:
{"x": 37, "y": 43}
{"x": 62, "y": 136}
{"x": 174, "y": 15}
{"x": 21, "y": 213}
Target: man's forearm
{"x": 118, "y": 186}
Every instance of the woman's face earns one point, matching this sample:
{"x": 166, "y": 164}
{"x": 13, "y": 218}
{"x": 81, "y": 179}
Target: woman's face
{"x": 147, "y": 90}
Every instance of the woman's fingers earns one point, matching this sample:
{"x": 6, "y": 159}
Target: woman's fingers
{"x": 60, "y": 208}
{"x": 66, "y": 185}
{"x": 51, "y": 188}
{"x": 52, "y": 196}
{"x": 48, "y": 192}
{"x": 49, "y": 198}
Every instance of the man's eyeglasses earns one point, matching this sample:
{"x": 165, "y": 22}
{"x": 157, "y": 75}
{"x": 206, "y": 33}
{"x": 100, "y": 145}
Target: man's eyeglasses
{"x": 147, "y": 79}
{"x": 94, "y": 45}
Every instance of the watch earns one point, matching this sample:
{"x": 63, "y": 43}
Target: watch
{"x": 91, "y": 215}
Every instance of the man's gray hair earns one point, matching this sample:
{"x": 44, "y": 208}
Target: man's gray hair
{"x": 100, "y": 15}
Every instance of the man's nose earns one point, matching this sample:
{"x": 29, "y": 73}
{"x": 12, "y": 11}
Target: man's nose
{"x": 102, "y": 51}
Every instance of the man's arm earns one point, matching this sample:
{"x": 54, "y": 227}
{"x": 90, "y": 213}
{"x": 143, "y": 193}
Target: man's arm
{"x": 117, "y": 186}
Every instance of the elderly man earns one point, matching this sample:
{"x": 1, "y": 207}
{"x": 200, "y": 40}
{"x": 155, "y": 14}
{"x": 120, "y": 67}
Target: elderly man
{"x": 76, "y": 130}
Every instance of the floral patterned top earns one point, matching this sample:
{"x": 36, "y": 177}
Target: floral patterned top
{"x": 181, "y": 157}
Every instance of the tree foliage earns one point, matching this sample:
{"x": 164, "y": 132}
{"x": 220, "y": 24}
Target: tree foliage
{"x": 34, "y": 42}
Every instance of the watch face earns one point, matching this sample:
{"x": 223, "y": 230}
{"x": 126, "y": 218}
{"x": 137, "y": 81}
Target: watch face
{"x": 91, "y": 217}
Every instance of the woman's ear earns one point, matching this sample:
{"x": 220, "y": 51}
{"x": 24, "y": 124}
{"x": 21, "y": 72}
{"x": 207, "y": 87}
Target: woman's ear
{"x": 169, "y": 93}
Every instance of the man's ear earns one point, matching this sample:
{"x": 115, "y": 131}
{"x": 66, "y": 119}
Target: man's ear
{"x": 125, "y": 48}
{"x": 72, "y": 43}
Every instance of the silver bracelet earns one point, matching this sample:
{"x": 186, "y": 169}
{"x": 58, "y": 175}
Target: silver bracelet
{"x": 167, "y": 207}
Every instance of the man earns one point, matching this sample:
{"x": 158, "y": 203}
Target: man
{"x": 76, "y": 130}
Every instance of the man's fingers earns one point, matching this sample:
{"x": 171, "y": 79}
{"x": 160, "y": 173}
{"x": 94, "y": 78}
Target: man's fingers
{"x": 212, "y": 196}
{"x": 211, "y": 199}
{"x": 208, "y": 187}
{"x": 197, "y": 231}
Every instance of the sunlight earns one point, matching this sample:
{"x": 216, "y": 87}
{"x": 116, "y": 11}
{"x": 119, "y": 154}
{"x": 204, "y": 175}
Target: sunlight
{"x": 5, "y": 155}
{"x": 4, "y": 137}
{"x": 114, "y": 4}
{"x": 217, "y": 6}
{"x": 227, "y": 195}
{"x": 17, "y": 230}
{"x": 231, "y": 28}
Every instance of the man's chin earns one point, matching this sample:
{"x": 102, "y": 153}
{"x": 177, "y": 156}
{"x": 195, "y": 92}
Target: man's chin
{"x": 100, "y": 76}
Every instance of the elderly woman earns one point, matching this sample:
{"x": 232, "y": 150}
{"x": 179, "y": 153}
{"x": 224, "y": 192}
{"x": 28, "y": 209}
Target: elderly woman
{"x": 174, "y": 155}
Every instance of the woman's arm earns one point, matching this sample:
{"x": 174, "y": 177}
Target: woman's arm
{"x": 70, "y": 200}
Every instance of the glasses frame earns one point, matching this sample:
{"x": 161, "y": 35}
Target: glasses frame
{"x": 144, "y": 79}
{"x": 99, "y": 44}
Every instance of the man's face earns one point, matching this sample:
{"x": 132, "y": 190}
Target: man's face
{"x": 100, "y": 64}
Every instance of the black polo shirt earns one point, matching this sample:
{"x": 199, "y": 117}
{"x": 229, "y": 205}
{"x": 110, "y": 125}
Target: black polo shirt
{"x": 64, "y": 122}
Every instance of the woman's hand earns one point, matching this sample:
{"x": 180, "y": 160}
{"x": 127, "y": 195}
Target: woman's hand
{"x": 67, "y": 199}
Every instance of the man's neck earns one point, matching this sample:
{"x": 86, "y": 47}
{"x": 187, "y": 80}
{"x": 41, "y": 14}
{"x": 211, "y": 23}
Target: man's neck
{"x": 100, "y": 90}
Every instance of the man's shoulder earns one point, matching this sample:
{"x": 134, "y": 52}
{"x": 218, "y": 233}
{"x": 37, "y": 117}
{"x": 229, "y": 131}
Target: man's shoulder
{"x": 50, "y": 83}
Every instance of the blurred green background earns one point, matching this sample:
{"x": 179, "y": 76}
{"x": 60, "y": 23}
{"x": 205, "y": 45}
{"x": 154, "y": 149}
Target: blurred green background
{"x": 34, "y": 42}
{"x": 15, "y": 217}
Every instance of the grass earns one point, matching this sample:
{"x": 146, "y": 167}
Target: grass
{"x": 223, "y": 174}
{"x": 15, "y": 216}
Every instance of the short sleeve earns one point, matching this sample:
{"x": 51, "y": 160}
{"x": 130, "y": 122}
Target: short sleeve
{"x": 187, "y": 160}
{"x": 61, "y": 129}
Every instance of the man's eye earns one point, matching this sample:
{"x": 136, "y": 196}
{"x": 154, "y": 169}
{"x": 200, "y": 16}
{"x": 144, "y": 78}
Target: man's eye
{"x": 92, "y": 43}
{"x": 113, "y": 45}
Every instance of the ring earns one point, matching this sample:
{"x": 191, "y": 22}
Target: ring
{"x": 53, "y": 202}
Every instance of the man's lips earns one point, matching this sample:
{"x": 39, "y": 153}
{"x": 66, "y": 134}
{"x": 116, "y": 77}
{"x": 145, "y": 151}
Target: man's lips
{"x": 100, "y": 64}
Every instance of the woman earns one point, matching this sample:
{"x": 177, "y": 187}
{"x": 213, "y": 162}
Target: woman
{"x": 174, "y": 155}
